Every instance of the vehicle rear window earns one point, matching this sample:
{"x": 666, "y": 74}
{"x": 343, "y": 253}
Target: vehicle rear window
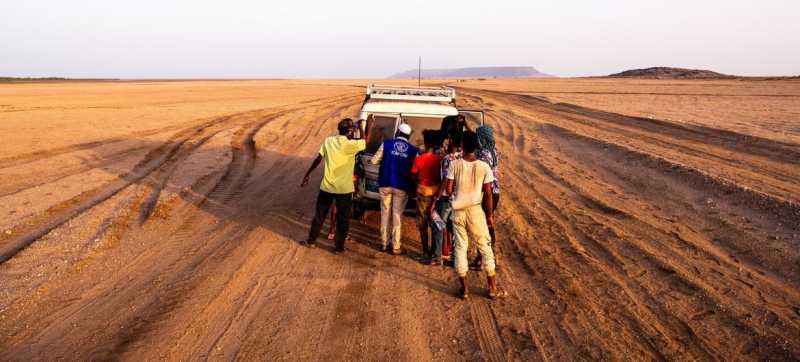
{"x": 382, "y": 128}
{"x": 419, "y": 124}
{"x": 473, "y": 119}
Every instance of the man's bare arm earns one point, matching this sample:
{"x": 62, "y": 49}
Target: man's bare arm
{"x": 314, "y": 165}
{"x": 488, "y": 199}
{"x": 449, "y": 186}
{"x": 463, "y": 121}
{"x": 378, "y": 156}
{"x": 367, "y": 126}
{"x": 367, "y": 131}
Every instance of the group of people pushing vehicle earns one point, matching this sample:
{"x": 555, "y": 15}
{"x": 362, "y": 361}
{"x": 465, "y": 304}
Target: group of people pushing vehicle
{"x": 455, "y": 181}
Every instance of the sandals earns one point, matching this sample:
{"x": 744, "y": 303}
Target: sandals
{"x": 333, "y": 236}
{"x": 498, "y": 294}
{"x": 463, "y": 294}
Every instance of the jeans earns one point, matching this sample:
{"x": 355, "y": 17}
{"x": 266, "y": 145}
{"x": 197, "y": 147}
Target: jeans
{"x": 445, "y": 210}
{"x": 393, "y": 203}
{"x": 344, "y": 203}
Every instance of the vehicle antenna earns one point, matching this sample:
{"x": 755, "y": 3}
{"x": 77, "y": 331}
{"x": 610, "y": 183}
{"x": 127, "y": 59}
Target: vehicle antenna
{"x": 419, "y": 72}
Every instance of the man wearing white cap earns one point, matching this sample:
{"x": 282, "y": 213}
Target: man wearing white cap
{"x": 396, "y": 157}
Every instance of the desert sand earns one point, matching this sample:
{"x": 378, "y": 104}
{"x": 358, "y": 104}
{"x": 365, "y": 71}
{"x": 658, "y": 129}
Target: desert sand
{"x": 639, "y": 220}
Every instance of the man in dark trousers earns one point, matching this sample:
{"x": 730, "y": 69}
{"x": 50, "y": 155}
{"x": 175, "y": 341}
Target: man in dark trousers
{"x": 338, "y": 152}
{"x": 426, "y": 171}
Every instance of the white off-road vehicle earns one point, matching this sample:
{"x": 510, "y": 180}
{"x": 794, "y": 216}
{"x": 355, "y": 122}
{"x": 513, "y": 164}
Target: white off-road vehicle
{"x": 421, "y": 108}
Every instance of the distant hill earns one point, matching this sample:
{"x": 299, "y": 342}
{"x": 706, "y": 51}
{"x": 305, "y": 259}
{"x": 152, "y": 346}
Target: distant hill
{"x": 671, "y": 73}
{"x": 475, "y": 72}
{"x": 48, "y": 79}
{"x": 31, "y": 79}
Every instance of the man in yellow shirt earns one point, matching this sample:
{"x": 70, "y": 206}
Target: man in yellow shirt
{"x": 339, "y": 153}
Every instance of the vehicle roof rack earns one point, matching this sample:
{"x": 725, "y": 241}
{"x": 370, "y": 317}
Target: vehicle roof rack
{"x": 430, "y": 94}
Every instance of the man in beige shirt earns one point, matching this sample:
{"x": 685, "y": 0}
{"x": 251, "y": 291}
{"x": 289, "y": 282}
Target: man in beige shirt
{"x": 468, "y": 180}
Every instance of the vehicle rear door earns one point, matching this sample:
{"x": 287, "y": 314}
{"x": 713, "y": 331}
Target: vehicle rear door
{"x": 383, "y": 126}
{"x": 420, "y": 123}
{"x": 474, "y": 118}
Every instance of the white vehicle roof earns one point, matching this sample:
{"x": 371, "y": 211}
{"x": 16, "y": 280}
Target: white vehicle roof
{"x": 409, "y": 93}
{"x": 409, "y": 108}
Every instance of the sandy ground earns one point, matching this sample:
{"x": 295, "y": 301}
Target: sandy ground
{"x": 162, "y": 220}
{"x": 763, "y": 108}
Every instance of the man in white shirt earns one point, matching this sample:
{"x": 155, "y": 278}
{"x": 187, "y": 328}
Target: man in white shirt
{"x": 467, "y": 181}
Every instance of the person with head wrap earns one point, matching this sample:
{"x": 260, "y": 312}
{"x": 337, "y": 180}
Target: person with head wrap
{"x": 488, "y": 153}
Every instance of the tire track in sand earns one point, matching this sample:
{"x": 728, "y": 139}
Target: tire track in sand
{"x": 598, "y": 213}
{"x": 486, "y": 329}
{"x": 61, "y": 213}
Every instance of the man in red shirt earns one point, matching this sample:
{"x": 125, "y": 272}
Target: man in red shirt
{"x": 426, "y": 171}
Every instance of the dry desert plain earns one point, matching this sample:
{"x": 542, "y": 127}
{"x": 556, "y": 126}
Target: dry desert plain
{"x": 639, "y": 220}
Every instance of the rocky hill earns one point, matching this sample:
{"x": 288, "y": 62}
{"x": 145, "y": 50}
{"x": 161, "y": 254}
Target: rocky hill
{"x": 475, "y": 72}
{"x": 671, "y": 73}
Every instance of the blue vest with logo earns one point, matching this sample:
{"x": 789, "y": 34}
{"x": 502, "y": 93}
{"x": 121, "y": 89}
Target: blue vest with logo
{"x": 395, "y": 169}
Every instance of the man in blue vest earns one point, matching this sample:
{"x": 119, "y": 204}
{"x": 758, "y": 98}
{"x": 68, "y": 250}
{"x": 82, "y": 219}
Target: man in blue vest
{"x": 396, "y": 157}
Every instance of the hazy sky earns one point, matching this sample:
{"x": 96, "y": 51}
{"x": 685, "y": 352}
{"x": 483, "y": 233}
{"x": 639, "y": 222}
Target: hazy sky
{"x": 347, "y": 38}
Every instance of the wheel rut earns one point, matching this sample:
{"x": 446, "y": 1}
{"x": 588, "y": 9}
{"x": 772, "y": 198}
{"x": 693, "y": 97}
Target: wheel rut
{"x": 563, "y": 209}
{"x": 486, "y": 328}
{"x": 61, "y": 213}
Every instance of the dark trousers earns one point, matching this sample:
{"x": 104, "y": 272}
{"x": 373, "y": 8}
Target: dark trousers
{"x": 424, "y": 204}
{"x": 344, "y": 203}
